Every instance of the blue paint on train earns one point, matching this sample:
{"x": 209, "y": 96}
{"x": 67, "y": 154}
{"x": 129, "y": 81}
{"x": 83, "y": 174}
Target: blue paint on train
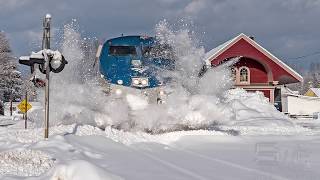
{"x": 129, "y": 61}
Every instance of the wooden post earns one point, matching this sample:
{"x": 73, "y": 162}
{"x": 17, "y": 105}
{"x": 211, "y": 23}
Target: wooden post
{"x": 11, "y": 108}
{"x": 46, "y": 130}
{"x": 26, "y": 113}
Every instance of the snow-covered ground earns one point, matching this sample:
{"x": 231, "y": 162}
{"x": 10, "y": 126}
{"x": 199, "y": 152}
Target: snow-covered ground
{"x": 77, "y": 152}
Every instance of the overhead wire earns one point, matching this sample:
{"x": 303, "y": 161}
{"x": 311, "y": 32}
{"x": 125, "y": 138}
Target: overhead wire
{"x": 304, "y": 56}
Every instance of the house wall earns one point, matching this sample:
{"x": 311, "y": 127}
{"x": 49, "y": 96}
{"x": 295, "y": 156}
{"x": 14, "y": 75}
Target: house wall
{"x": 243, "y": 48}
{"x": 259, "y": 80}
{"x": 258, "y": 74}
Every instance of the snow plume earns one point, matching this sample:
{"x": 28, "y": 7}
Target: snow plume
{"x": 79, "y": 52}
{"x": 193, "y": 102}
{"x": 188, "y": 56}
{"x": 74, "y": 95}
{"x": 199, "y": 102}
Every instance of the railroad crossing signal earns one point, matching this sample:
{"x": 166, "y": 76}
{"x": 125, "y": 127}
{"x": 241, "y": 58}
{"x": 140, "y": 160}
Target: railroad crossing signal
{"x": 24, "y": 106}
{"x": 47, "y": 61}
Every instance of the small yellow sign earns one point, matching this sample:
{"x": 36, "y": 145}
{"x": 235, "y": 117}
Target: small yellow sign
{"x": 24, "y": 106}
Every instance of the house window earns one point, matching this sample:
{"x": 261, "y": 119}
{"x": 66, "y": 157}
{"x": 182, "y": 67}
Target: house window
{"x": 244, "y": 75}
{"x": 234, "y": 74}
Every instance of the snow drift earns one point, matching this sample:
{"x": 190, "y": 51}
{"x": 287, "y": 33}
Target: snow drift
{"x": 82, "y": 170}
{"x": 24, "y": 162}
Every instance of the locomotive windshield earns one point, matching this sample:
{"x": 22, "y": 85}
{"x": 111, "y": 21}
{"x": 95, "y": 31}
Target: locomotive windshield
{"x": 122, "y": 50}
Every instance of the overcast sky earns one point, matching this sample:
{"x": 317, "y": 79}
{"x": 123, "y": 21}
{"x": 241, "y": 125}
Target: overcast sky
{"x": 288, "y": 28}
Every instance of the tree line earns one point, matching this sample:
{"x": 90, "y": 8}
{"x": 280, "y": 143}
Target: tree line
{"x": 311, "y": 77}
{"x": 10, "y": 78}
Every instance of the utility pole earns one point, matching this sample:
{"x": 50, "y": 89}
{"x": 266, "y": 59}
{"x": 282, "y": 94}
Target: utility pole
{"x": 26, "y": 113}
{"x": 11, "y": 106}
{"x": 45, "y": 46}
{"x": 48, "y": 60}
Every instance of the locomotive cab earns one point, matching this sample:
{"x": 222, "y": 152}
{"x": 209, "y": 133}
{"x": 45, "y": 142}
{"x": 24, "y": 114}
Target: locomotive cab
{"x": 130, "y": 64}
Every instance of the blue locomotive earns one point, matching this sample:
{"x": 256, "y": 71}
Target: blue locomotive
{"x": 134, "y": 64}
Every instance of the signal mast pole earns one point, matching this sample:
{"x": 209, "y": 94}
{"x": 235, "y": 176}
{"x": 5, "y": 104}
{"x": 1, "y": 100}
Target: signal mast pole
{"x": 45, "y": 58}
{"x": 45, "y": 46}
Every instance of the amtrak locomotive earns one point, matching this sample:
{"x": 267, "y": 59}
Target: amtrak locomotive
{"x": 133, "y": 64}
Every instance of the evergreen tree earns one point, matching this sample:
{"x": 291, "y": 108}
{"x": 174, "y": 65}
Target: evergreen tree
{"x": 10, "y": 77}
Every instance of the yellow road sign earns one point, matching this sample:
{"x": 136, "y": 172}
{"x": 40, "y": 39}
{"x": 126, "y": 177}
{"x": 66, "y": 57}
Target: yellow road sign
{"x": 24, "y": 106}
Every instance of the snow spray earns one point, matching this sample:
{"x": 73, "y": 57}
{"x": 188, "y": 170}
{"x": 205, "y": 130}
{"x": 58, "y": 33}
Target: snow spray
{"x": 193, "y": 102}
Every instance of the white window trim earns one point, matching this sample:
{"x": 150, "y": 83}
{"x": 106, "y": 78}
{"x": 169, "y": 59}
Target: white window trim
{"x": 238, "y": 74}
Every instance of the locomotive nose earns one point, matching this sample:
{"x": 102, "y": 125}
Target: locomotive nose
{"x": 136, "y": 63}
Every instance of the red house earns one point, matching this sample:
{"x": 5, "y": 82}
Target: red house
{"x": 257, "y": 69}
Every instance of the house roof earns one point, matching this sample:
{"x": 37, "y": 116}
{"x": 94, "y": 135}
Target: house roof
{"x": 218, "y": 50}
{"x": 316, "y": 91}
{"x": 214, "y": 53}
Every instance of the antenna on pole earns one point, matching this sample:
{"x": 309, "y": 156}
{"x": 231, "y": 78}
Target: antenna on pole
{"x": 46, "y": 32}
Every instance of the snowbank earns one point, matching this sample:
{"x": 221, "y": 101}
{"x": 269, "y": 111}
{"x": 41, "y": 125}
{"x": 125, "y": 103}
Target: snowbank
{"x": 17, "y": 133}
{"x": 129, "y": 138}
{"x": 254, "y": 109}
{"x": 24, "y": 162}
{"x": 82, "y": 170}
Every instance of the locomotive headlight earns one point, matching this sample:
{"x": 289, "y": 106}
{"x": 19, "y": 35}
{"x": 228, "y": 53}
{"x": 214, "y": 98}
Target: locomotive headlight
{"x": 136, "y": 82}
{"x": 120, "y": 82}
{"x": 140, "y": 82}
{"x": 144, "y": 82}
{"x": 161, "y": 93}
{"x": 118, "y": 92}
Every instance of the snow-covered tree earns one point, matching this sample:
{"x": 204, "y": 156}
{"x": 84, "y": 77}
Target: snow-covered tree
{"x": 10, "y": 77}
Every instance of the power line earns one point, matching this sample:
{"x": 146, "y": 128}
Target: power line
{"x": 304, "y": 56}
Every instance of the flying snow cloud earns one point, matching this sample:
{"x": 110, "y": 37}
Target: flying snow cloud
{"x": 192, "y": 102}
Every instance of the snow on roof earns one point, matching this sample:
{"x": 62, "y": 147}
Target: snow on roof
{"x": 221, "y": 48}
{"x": 286, "y": 90}
{"x": 316, "y": 91}
{"x": 212, "y": 53}
{"x": 217, "y": 49}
